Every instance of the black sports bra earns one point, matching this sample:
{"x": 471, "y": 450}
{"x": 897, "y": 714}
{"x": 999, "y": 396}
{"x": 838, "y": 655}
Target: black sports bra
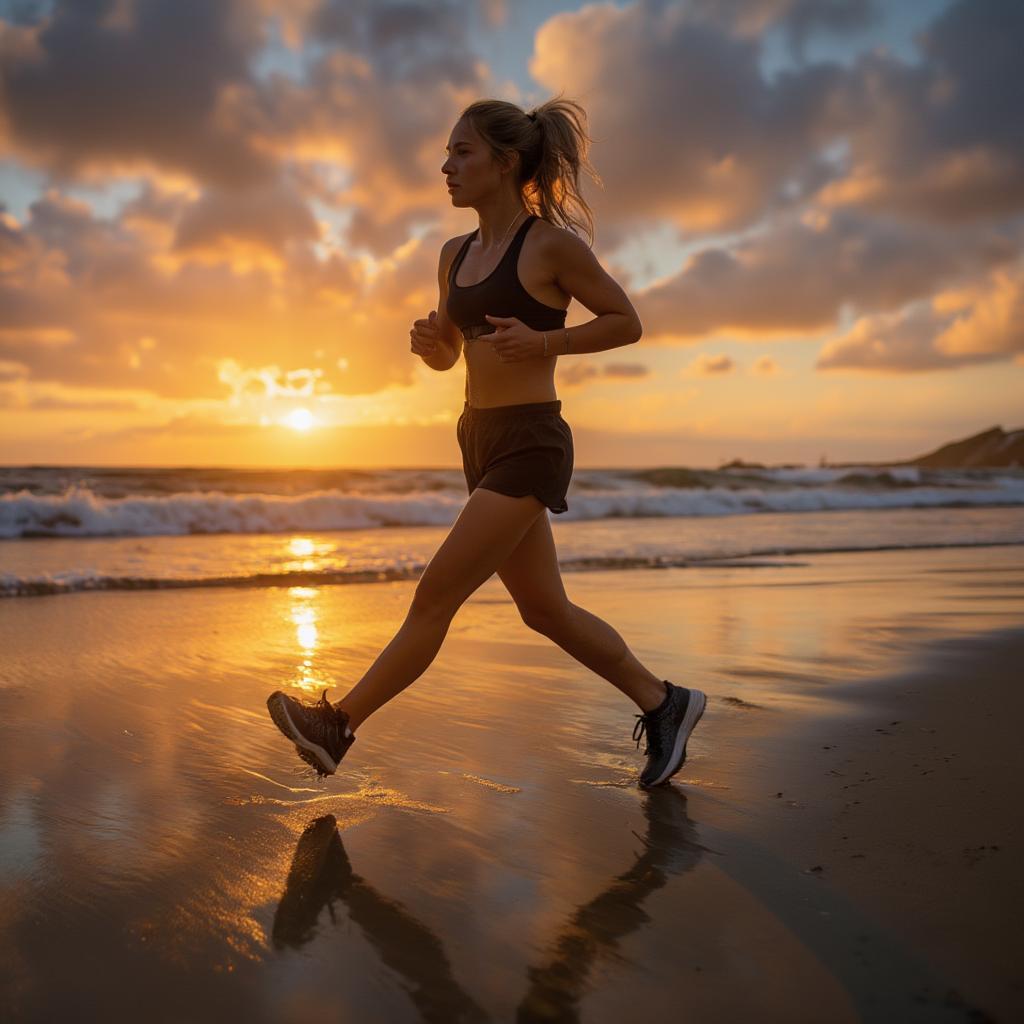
{"x": 500, "y": 293}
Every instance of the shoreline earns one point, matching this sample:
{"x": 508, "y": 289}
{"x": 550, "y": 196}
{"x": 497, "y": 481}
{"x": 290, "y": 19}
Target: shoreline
{"x": 46, "y": 585}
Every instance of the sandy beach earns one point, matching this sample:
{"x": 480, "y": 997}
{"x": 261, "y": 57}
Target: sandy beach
{"x": 840, "y": 845}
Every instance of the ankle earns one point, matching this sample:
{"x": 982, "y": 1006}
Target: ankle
{"x": 656, "y": 698}
{"x": 343, "y": 716}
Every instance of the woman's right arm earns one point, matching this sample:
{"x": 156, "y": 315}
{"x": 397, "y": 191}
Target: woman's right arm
{"x": 449, "y": 335}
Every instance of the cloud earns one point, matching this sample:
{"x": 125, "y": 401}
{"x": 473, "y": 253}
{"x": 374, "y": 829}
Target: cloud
{"x": 78, "y": 292}
{"x": 707, "y": 365}
{"x": 975, "y": 324}
{"x": 10, "y": 370}
{"x": 687, "y": 127}
{"x": 395, "y": 104}
{"x": 578, "y": 373}
{"x": 220, "y": 255}
{"x": 626, "y": 370}
{"x": 271, "y": 381}
{"x": 846, "y": 259}
{"x": 415, "y": 42}
{"x": 87, "y": 94}
{"x": 183, "y": 425}
{"x": 986, "y": 322}
{"x": 267, "y": 218}
{"x": 941, "y": 140}
{"x": 938, "y": 139}
{"x": 888, "y": 343}
{"x": 797, "y": 18}
{"x": 9, "y": 400}
{"x": 873, "y": 185}
{"x": 291, "y": 223}
{"x": 96, "y": 86}
{"x": 19, "y": 393}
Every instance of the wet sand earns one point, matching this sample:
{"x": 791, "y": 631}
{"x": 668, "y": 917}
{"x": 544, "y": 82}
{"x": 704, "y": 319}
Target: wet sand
{"x": 840, "y": 845}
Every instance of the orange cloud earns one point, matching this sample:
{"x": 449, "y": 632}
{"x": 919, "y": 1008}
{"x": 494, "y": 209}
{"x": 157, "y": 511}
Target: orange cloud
{"x": 974, "y": 324}
{"x": 576, "y": 373}
{"x": 707, "y": 365}
{"x": 991, "y": 324}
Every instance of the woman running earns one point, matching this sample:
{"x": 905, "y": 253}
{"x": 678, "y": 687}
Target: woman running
{"x": 504, "y": 289}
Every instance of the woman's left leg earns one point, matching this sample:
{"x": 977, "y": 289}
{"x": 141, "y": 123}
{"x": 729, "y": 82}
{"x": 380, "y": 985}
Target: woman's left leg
{"x": 488, "y": 528}
{"x": 532, "y": 577}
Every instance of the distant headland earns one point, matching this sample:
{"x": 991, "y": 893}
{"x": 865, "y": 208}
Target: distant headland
{"x": 992, "y": 448}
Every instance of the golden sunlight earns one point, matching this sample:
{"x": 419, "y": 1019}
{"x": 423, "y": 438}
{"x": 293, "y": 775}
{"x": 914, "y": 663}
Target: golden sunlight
{"x": 303, "y": 614}
{"x": 299, "y": 419}
{"x": 300, "y": 547}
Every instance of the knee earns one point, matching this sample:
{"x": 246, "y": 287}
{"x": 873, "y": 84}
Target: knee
{"x": 547, "y": 619}
{"x": 431, "y": 603}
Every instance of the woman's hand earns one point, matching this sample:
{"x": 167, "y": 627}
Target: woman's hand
{"x": 426, "y": 336}
{"x": 513, "y": 340}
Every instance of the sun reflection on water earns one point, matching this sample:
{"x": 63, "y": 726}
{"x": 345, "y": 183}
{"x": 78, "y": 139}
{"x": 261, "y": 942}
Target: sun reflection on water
{"x": 303, "y": 614}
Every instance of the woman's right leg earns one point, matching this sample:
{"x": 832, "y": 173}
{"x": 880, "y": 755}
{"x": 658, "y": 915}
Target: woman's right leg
{"x": 532, "y": 577}
{"x": 488, "y": 529}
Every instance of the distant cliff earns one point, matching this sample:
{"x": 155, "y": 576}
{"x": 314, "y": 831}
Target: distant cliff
{"x": 994, "y": 447}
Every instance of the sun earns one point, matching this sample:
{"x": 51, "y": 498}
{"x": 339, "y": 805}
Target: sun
{"x": 299, "y": 419}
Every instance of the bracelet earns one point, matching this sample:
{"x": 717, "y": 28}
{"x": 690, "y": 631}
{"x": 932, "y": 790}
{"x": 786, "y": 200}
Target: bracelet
{"x": 566, "y": 341}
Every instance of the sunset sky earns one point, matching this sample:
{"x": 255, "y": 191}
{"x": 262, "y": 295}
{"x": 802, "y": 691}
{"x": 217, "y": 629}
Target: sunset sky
{"x": 218, "y": 221}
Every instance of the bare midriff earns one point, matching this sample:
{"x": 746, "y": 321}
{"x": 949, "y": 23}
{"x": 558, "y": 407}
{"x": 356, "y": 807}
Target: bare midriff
{"x": 492, "y": 382}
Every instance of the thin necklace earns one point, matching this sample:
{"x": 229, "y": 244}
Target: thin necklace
{"x": 509, "y": 228}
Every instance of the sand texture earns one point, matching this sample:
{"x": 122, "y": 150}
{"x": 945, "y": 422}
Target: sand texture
{"x": 843, "y": 843}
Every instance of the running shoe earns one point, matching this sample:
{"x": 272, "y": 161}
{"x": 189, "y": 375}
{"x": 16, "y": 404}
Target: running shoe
{"x": 667, "y": 728}
{"x": 319, "y": 731}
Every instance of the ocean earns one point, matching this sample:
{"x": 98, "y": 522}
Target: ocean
{"x": 79, "y": 528}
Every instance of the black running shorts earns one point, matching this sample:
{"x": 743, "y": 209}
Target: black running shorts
{"x": 518, "y": 450}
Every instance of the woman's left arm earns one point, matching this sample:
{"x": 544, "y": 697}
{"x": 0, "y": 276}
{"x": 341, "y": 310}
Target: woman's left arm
{"x": 578, "y": 272}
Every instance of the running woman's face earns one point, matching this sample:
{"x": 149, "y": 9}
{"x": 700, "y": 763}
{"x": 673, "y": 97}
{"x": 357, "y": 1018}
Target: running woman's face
{"x": 470, "y": 167}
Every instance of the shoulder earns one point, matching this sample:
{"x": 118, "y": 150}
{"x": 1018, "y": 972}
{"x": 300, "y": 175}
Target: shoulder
{"x": 448, "y": 253}
{"x": 449, "y": 250}
{"x": 557, "y": 242}
{"x": 453, "y": 244}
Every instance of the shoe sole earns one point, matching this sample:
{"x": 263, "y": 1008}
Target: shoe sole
{"x": 694, "y": 712}
{"x": 279, "y": 713}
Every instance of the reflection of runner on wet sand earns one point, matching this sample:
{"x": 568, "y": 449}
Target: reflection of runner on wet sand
{"x": 596, "y": 928}
{"x": 321, "y": 873}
